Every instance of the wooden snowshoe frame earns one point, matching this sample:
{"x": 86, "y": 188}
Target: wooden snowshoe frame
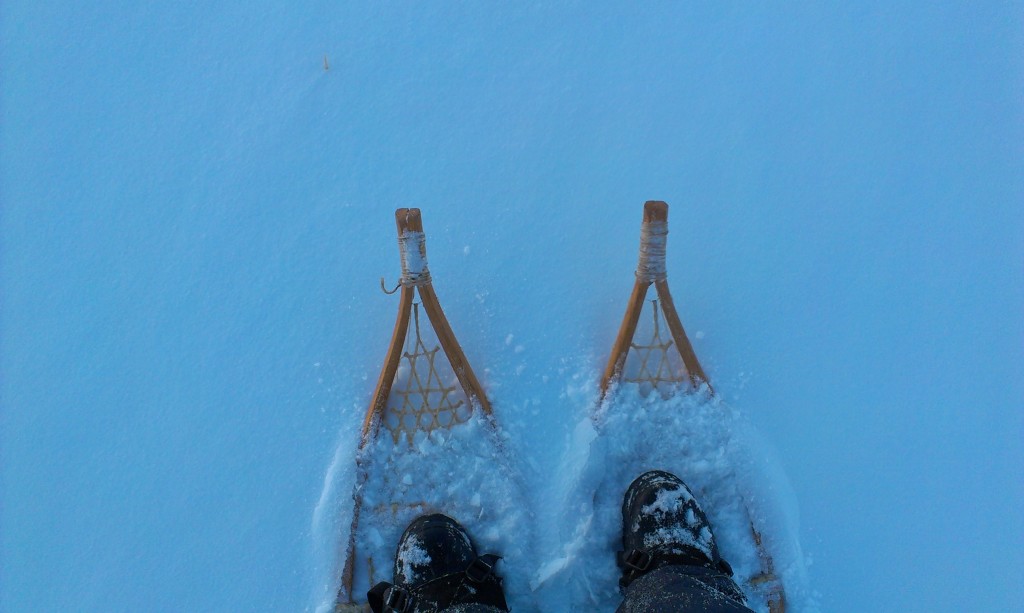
{"x": 651, "y": 271}
{"x": 415, "y": 279}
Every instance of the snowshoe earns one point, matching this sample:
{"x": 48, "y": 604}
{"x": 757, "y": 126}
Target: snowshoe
{"x": 656, "y": 409}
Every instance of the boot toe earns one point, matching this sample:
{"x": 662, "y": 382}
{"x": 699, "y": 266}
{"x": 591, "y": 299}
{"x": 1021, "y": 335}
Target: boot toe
{"x": 432, "y": 546}
{"x": 661, "y": 516}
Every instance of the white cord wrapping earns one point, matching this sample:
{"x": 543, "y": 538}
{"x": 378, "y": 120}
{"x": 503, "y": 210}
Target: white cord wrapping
{"x": 413, "y": 248}
{"x": 653, "y": 237}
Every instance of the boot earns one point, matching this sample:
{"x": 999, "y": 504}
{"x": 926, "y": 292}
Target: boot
{"x": 663, "y": 525}
{"x": 437, "y": 567}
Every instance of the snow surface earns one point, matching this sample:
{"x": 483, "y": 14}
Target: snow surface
{"x": 459, "y": 471}
{"x": 465, "y": 472}
{"x": 694, "y": 436}
{"x": 195, "y": 216}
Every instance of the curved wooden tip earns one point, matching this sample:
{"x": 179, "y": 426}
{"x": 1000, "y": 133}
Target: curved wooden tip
{"x": 408, "y": 220}
{"x": 655, "y": 210}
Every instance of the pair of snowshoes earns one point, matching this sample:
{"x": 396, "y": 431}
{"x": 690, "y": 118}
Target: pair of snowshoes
{"x": 437, "y": 567}
{"x": 428, "y": 409}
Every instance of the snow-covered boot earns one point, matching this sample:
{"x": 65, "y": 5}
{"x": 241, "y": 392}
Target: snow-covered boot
{"x": 437, "y": 569}
{"x": 663, "y": 525}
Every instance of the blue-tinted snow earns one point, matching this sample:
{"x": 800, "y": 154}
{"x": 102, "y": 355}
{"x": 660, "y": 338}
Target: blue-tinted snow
{"x": 196, "y": 215}
{"x": 697, "y": 436}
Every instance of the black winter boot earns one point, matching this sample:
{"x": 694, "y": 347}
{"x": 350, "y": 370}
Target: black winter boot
{"x": 436, "y": 567}
{"x": 663, "y": 525}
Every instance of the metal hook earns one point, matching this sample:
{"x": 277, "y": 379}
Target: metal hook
{"x": 385, "y": 290}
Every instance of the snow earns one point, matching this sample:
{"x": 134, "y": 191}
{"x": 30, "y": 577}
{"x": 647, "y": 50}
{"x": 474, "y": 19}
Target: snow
{"x": 195, "y": 216}
{"x": 713, "y": 448}
{"x": 665, "y": 506}
{"x": 455, "y": 466}
{"x": 411, "y": 552}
